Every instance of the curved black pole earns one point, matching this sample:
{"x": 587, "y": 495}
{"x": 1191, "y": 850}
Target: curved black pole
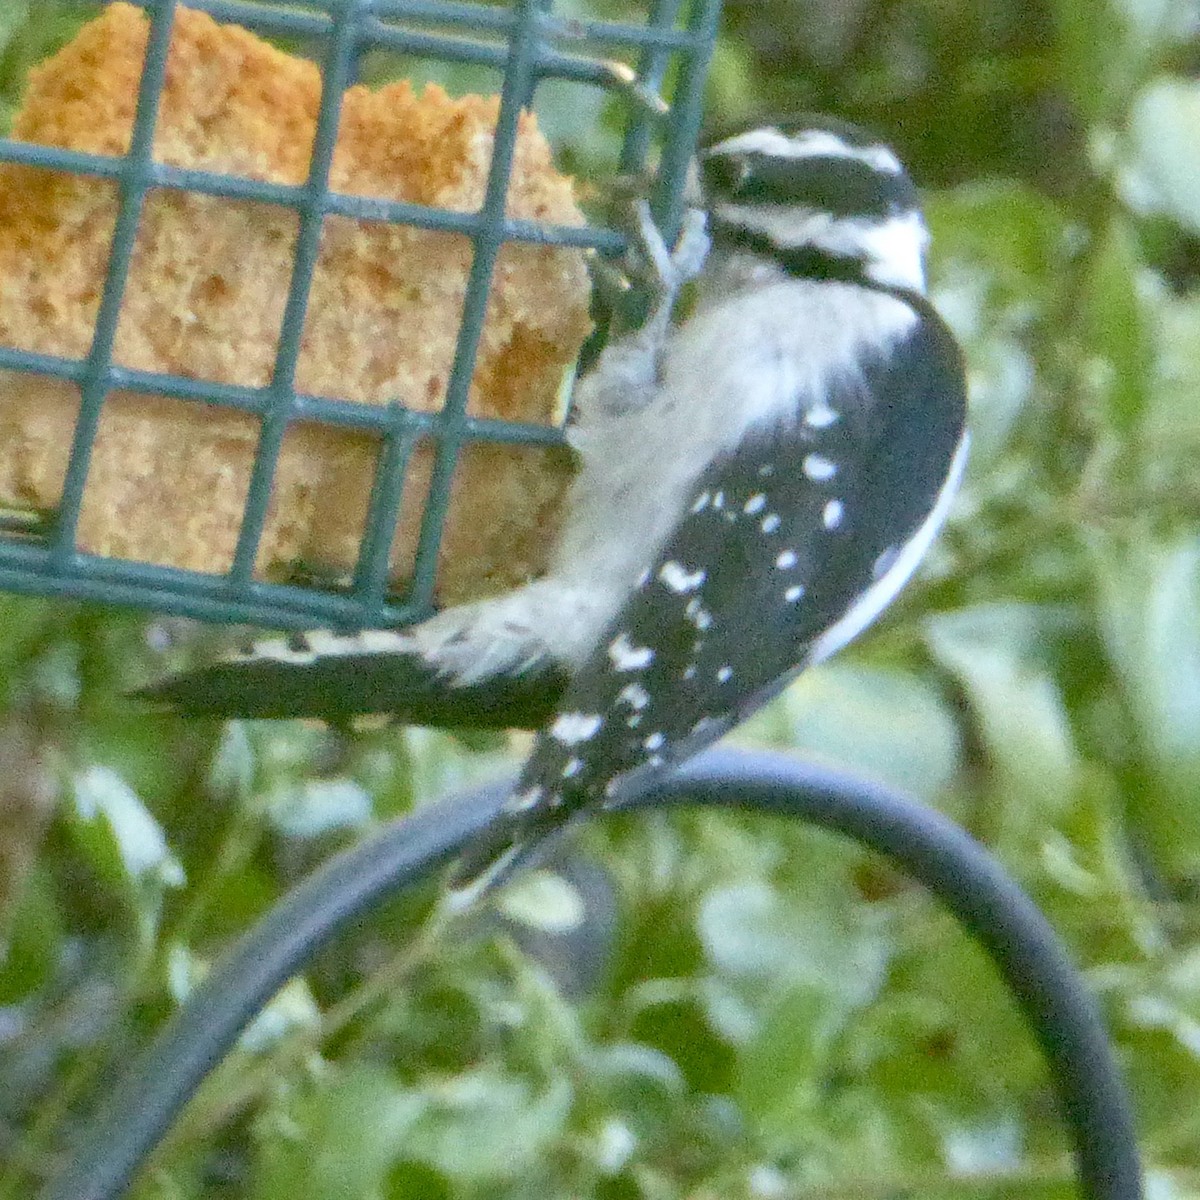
{"x": 923, "y": 843}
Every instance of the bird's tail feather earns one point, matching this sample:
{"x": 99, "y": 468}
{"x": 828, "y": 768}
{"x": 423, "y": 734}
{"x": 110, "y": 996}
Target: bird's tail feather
{"x": 341, "y": 676}
{"x": 494, "y": 855}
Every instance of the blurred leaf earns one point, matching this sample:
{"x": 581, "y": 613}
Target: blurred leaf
{"x": 1009, "y": 236}
{"x": 643, "y": 1084}
{"x": 26, "y": 623}
{"x": 315, "y": 807}
{"x": 781, "y": 1073}
{"x": 1001, "y": 378}
{"x": 336, "y": 1139}
{"x": 1170, "y": 432}
{"x": 629, "y": 1061}
{"x": 440, "y": 765}
{"x": 123, "y": 843}
{"x": 292, "y": 1007}
{"x": 997, "y": 249}
{"x": 1154, "y": 23}
{"x": 1093, "y": 54}
{"x": 751, "y": 932}
{"x": 130, "y": 744}
{"x": 383, "y": 765}
{"x": 184, "y": 971}
{"x": 542, "y": 900}
{"x": 54, "y": 675}
{"x": 231, "y": 775}
{"x": 1098, "y": 901}
{"x": 1156, "y": 1004}
{"x": 1149, "y": 597}
{"x": 486, "y": 1126}
{"x": 615, "y": 1144}
{"x": 1169, "y": 1184}
{"x": 1174, "y": 1005}
{"x": 1114, "y": 330}
{"x": 547, "y": 1026}
{"x": 33, "y": 941}
{"x": 13, "y": 15}
{"x": 732, "y": 86}
{"x": 886, "y": 724}
{"x": 946, "y": 1029}
{"x": 988, "y": 1145}
{"x": 999, "y": 654}
{"x": 284, "y": 750}
{"x": 1165, "y": 129}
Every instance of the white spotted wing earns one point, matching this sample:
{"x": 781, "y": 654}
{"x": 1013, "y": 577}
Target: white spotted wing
{"x": 777, "y": 543}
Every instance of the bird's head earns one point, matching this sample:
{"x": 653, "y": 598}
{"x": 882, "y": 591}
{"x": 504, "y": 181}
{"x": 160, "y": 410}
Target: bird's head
{"x": 818, "y": 198}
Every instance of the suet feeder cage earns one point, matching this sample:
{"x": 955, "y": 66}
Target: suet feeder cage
{"x": 528, "y": 48}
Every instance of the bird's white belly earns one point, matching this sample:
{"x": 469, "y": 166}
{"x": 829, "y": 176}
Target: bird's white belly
{"x": 753, "y": 359}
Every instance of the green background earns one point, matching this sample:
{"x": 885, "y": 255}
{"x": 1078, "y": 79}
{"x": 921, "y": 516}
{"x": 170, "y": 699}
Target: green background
{"x": 750, "y": 1010}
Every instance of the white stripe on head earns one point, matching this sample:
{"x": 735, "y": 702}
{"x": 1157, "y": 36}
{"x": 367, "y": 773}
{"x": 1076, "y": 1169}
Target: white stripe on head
{"x": 809, "y": 143}
{"x": 892, "y": 249}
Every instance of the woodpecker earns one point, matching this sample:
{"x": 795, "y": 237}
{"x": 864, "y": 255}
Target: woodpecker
{"x": 755, "y": 486}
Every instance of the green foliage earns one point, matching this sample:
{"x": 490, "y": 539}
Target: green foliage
{"x": 29, "y": 31}
{"x": 731, "y": 1007}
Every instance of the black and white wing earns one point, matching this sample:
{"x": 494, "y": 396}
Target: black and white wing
{"x": 788, "y": 546}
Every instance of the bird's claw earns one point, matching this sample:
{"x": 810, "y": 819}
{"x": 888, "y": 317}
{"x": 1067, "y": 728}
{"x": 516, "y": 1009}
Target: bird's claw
{"x": 669, "y": 270}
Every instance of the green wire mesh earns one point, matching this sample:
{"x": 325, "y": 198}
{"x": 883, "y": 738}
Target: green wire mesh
{"x": 529, "y": 42}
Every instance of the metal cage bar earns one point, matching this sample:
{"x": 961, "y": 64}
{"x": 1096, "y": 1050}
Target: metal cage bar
{"x": 520, "y": 73}
{"x": 134, "y": 184}
{"x": 530, "y": 44}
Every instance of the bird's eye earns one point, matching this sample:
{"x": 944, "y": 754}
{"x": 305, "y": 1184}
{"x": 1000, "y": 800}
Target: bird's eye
{"x": 725, "y": 174}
